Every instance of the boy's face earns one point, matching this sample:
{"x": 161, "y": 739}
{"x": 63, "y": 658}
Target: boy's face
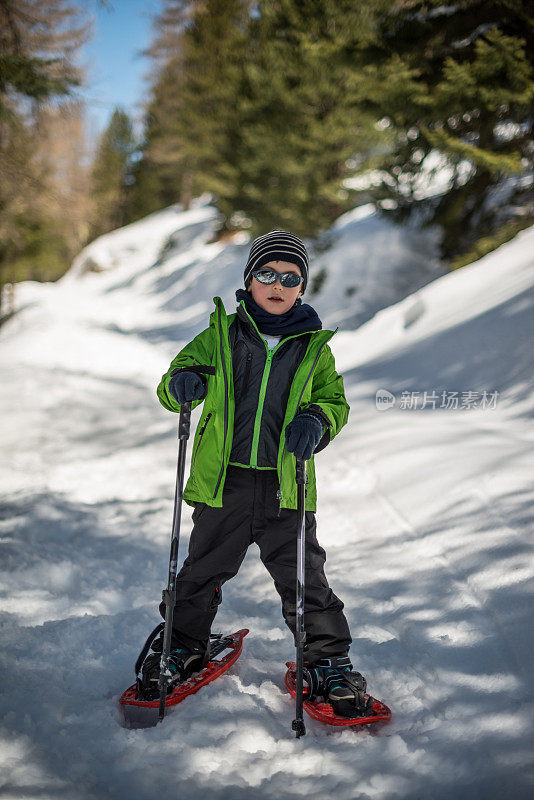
{"x": 275, "y": 298}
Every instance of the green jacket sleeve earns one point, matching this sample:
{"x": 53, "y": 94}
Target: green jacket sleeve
{"x": 197, "y": 356}
{"x": 328, "y": 398}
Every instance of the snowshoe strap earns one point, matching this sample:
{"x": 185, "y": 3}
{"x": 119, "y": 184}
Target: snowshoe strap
{"x": 312, "y": 679}
{"x": 358, "y": 684}
{"x": 339, "y": 662}
{"x": 313, "y": 673}
{"x": 344, "y": 675}
{"x": 146, "y": 647}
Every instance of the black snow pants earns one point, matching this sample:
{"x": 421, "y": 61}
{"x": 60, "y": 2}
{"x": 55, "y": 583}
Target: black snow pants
{"x": 218, "y": 544}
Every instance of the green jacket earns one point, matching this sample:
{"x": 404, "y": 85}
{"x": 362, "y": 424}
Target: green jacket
{"x": 315, "y": 382}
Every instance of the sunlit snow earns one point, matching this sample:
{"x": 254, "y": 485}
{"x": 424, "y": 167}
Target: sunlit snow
{"x": 424, "y": 509}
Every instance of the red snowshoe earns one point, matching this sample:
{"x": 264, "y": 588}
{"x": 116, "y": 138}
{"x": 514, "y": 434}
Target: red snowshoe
{"x": 372, "y": 711}
{"x": 224, "y": 651}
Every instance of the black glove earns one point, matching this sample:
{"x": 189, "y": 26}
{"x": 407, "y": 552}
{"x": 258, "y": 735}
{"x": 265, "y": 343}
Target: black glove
{"x": 186, "y": 386}
{"x": 303, "y": 435}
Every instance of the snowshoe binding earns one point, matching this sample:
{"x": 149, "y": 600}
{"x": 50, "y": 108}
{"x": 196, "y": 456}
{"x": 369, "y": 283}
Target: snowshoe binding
{"x": 182, "y": 664}
{"x": 340, "y": 687}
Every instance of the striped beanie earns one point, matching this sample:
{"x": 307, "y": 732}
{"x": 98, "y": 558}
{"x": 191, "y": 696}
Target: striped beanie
{"x": 277, "y": 245}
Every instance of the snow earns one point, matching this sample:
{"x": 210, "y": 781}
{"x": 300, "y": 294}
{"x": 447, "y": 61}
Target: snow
{"x": 425, "y": 512}
{"x": 437, "y": 175}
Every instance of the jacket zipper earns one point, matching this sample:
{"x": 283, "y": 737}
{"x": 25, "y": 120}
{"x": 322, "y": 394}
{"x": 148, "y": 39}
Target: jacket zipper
{"x": 259, "y": 410}
{"x": 264, "y": 381}
{"x": 225, "y": 405}
{"x": 279, "y": 492}
{"x": 201, "y": 434}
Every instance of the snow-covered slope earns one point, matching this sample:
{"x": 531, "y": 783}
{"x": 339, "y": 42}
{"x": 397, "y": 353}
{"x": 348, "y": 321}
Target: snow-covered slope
{"x": 425, "y": 512}
{"x": 161, "y": 273}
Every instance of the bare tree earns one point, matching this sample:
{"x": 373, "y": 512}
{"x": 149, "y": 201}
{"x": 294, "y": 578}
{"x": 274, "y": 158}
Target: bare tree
{"x": 39, "y": 42}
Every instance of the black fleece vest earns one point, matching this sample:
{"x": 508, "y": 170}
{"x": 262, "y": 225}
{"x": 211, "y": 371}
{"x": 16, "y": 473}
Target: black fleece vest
{"x": 249, "y": 356}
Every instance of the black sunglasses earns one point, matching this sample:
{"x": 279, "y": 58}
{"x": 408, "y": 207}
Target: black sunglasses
{"x": 268, "y": 276}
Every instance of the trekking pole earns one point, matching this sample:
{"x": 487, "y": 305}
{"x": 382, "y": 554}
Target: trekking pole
{"x": 169, "y": 594}
{"x": 300, "y": 634}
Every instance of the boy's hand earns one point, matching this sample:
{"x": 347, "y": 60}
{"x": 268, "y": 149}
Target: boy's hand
{"x": 186, "y": 387}
{"x": 303, "y": 435}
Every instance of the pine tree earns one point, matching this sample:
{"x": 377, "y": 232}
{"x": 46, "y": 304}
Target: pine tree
{"x": 255, "y": 104}
{"x": 209, "y": 122}
{"x": 36, "y": 42}
{"x": 192, "y": 118}
{"x": 159, "y": 174}
{"x": 111, "y": 174}
{"x": 454, "y": 80}
{"x": 302, "y": 127}
{"x": 163, "y": 158}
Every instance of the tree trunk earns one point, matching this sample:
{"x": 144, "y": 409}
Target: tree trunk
{"x": 185, "y": 194}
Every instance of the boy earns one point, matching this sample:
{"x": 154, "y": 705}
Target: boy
{"x": 271, "y": 394}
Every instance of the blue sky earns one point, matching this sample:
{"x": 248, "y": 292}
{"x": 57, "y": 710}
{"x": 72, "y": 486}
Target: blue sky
{"x": 115, "y": 70}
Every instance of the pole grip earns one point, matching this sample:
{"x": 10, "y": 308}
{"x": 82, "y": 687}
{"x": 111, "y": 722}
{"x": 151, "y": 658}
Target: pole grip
{"x": 184, "y": 423}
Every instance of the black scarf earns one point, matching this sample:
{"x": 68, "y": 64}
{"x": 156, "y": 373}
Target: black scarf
{"x": 300, "y": 317}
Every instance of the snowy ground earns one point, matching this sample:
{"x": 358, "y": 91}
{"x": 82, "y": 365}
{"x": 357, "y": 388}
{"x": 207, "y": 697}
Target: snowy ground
{"x": 425, "y": 513}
